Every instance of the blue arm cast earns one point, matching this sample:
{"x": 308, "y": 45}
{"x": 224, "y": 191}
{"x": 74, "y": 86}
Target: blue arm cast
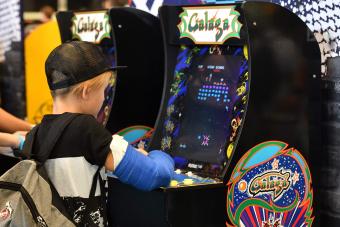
{"x": 145, "y": 172}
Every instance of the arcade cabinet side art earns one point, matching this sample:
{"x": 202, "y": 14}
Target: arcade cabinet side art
{"x": 270, "y": 186}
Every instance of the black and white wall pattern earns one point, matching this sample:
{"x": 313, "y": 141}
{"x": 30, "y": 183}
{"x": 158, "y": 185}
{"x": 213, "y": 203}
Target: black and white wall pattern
{"x": 323, "y": 18}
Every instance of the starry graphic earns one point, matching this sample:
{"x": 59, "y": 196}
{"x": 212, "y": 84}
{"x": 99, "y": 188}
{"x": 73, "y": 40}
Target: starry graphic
{"x": 291, "y": 208}
{"x": 289, "y": 164}
{"x": 295, "y": 177}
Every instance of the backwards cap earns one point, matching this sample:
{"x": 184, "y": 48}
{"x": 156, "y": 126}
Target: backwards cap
{"x": 74, "y": 62}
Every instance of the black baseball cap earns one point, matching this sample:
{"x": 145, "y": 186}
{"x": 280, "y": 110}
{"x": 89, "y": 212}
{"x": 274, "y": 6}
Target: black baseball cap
{"x": 74, "y": 62}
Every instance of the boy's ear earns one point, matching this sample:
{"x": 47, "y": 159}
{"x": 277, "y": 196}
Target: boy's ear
{"x": 85, "y": 93}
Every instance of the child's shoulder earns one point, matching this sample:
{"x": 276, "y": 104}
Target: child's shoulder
{"x": 83, "y": 126}
{"x": 85, "y": 121}
{"x": 80, "y": 121}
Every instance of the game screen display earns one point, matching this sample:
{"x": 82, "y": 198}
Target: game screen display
{"x": 205, "y": 90}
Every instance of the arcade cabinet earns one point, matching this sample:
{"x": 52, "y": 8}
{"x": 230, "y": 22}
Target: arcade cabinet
{"x": 240, "y": 117}
{"x": 328, "y": 161}
{"x": 131, "y": 38}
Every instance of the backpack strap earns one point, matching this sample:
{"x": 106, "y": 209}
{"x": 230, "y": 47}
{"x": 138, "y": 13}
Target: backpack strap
{"x": 94, "y": 183}
{"x": 28, "y": 145}
{"x": 92, "y": 194}
{"x": 57, "y": 201}
{"x": 103, "y": 197}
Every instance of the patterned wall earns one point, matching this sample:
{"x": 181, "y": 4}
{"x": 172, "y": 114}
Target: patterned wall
{"x": 323, "y": 18}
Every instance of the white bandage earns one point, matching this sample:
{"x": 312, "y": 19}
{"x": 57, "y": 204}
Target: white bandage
{"x": 118, "y": 148}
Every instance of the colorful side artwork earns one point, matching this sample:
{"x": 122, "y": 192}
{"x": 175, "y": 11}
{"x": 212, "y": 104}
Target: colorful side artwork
{"x": 270, "y": 186}
{"x": 138, "y": 136}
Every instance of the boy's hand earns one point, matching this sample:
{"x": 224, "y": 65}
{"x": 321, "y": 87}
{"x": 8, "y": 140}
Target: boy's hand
{"x": 142, "y": 151}
{"x": 22, "y": 133}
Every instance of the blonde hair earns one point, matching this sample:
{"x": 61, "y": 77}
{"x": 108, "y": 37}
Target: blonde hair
{"x": 93, "y": 83}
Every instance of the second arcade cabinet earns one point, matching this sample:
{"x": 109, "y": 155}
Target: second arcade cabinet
{"x": 240, "y": 117}
{"x": 129, "y": 37}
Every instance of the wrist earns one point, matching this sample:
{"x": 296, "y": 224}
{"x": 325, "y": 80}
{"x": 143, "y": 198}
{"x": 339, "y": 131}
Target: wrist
{"x": 21, "y": 141}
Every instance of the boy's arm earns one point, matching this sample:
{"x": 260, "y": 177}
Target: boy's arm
{"x": 109, "y": 162}
{"x": 145, "y": 172}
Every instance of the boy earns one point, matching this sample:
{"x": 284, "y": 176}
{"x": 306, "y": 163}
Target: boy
{"x": 77, "y": 74}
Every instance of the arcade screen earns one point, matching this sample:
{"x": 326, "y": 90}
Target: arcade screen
{"x": 205, "y": 103}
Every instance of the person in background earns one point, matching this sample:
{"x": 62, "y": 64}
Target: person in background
{"x": 108, "y": 4}
{"x": 12, "y": 130}
{"x": 11, "y": 124}
{"x": 47, "y": 13}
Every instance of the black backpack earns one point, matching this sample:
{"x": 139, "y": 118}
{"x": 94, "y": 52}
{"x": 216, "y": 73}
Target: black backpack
{"x": 27, "y": 197}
